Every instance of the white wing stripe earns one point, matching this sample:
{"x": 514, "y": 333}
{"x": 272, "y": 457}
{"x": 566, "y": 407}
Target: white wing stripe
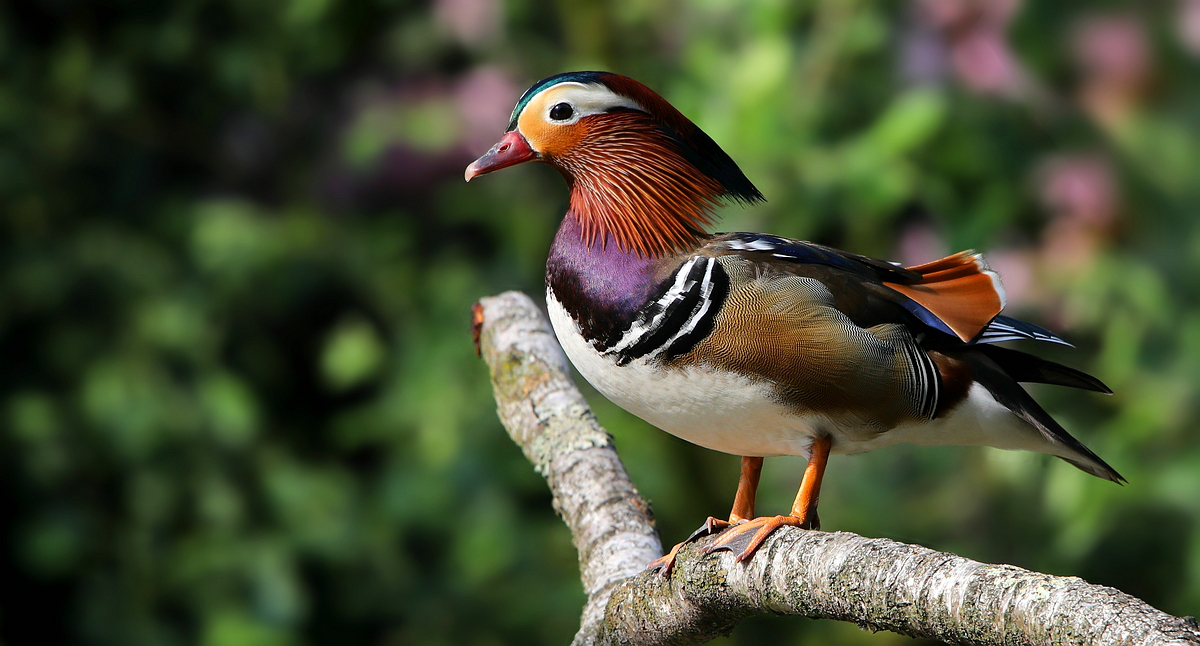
{"x": 639, "y": 329}
{"x": 656, "y": 336}
{"x": 705, "y": 301}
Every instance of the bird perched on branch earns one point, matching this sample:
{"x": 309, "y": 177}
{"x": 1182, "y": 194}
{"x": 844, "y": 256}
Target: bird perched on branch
{"x": 753, "y": 344}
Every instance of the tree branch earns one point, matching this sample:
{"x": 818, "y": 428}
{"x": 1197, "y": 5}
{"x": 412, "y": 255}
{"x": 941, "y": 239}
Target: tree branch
{"x": 877, "y": 583}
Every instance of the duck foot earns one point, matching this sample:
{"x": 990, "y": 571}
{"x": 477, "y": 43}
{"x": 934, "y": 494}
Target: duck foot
{"x": 713, "y": 525}
{"x": 747, "y": 537}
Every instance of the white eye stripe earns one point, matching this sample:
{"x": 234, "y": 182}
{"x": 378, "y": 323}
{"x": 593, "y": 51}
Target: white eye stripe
{"x": 585, "y": 100}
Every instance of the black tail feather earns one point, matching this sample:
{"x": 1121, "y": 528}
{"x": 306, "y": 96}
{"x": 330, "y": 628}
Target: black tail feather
{"x": 1027, "y": 368}
{"x": 990, "y": 374}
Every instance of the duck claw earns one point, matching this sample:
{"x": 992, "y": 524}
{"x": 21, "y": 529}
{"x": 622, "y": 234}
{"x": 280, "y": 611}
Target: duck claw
{"x": 712, "y": 525}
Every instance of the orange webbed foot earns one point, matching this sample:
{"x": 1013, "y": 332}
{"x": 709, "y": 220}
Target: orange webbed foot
{"x": 747, "y": 537}
{"x": 713, "y": 525}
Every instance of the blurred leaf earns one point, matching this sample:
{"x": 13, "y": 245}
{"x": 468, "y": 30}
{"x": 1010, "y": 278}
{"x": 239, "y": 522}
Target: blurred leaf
{"x": 52, "y": 546}
{"x": 229, "y": 236}
{"x": 32, "y": 417}
{"x": 353, "y": 354}
{"x": 908, "y": 122}
{"x": 232, "y": 409}
{"x": 427, "y": 126}
{"x": 232, "y": 628}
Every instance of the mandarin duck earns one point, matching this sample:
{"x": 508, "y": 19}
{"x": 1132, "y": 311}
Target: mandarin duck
{"x": 758, "y": 345}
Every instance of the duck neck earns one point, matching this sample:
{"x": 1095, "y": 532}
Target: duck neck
{"x": 600, "y": 284}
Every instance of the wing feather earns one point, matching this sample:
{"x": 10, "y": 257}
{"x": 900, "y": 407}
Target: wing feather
{"x": 961, "y": 290}
{"x": 957, "y": 295}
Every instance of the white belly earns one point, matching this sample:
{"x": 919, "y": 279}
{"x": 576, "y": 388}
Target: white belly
{"x": 717, "y": 410}
{"x": 978, "y": 421}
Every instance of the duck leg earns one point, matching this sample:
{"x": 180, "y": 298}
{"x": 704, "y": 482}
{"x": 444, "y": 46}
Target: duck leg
{"x": 747, "y": 491}
{"x": 746, "y": 537}
{"x": 743, "y": 510}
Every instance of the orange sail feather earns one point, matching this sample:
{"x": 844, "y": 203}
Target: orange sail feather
{"x": 961, "y": 290}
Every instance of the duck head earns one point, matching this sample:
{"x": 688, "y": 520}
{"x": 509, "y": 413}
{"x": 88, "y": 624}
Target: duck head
{"x": 640, "y": 173}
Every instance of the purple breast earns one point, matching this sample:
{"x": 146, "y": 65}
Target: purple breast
{"x": 601, "y": 287}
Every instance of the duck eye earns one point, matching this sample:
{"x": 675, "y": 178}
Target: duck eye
{"x": 561, "y": 112}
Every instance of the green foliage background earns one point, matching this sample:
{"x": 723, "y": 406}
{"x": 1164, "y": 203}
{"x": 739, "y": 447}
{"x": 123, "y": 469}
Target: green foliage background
{"x": 238, "y": 399}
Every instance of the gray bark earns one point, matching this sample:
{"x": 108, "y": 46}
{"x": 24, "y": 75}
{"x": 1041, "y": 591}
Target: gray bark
{"x": 877, "y": 583}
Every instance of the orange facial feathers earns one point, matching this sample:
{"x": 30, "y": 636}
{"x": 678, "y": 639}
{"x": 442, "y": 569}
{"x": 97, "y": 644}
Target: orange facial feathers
{"x": 631, "y": 179}
{"x": 961, "y": 290}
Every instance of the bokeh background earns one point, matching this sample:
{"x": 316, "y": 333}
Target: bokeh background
{"x": 238, "y": 398}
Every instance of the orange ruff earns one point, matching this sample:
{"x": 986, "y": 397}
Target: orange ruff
{"x": 630, "y": 178}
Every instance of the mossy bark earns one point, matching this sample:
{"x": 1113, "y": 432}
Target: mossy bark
{"x": 546, "y": 416}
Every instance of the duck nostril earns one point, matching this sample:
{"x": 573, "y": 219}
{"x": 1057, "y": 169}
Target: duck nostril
{"x": 503, "y": 148}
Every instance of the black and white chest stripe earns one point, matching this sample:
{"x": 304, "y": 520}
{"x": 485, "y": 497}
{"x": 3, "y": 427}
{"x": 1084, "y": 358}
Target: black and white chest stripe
{"x": 672, "y": 323}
